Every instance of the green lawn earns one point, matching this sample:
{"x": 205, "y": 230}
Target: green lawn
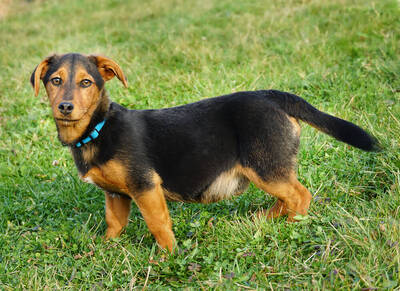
{"x": 341, "y": 55}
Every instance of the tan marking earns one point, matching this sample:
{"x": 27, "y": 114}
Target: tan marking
{"x": 117, "y": 213}
{"x": 154, "y": 209}
{"x": 88, "y": 152}
{"x": 155, "y": 178}
{"x": 111, "y": 176}
{"x": 39, "y": 73}
{"x": 296, "y": 125}
{"x": 108, "y": 69}
{"x": 277, "y": 210}
{"x": 55, "y": 93}
{"x": 118, "y": 208}
{"x": 294, "y": 195}
{"x": 172, "y": 196}
{"x": 81, "y": 74}
{"x": 226, "y": 185}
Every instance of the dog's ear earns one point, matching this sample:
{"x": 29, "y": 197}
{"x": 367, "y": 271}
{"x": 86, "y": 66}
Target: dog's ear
{"x": 108, "y": 69}
{"x": 39, "y": 72}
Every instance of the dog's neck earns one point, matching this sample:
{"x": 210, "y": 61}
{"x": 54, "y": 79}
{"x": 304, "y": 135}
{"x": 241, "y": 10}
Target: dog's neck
{"x": 70, "y": 135}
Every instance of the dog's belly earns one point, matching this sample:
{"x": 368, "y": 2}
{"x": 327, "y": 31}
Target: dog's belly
{"x": 226, "y": 185}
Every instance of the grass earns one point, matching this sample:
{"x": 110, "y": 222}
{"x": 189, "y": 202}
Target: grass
{"x": 340, "y": 55}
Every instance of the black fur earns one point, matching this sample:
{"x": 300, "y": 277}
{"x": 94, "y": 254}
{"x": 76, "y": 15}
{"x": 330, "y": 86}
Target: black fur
{"x": 190, "y": 145}
{"x": 338, "y": 128}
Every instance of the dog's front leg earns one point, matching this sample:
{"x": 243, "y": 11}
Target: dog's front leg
{"x": 117, "y": 213}
{"x": 154, "y": 209}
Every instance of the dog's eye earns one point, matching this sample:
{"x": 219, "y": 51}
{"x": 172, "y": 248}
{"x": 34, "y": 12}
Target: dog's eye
{"x": 85, "y": 83}
{"x": 56, "y": 81}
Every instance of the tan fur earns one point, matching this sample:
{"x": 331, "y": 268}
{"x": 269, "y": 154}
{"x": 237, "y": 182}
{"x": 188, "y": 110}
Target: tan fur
{"x": 40, "y": 71}
{"x": 295, "y": 198}
{"x": 69, "y": 133}
{"x": 278, "y": 209}
{"x": 226, "y": 185}
{"x": 117, "y": 213}
{"x": 296, "y": 125}
{"x": 88, "y": 152}
{"x": 172, "y": 196}
{"x": 154, "y": 209}
{"x": 111, "y": 176}
{"x": 108, "y": 69}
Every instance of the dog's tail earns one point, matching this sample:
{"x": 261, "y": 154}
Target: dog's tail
{"x": 340, "y": 129}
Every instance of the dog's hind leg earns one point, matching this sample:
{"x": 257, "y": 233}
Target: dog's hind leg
{"x": 293, "y": 198}
{"x": 277, "y": 210}
{"x": 117, "y": 213}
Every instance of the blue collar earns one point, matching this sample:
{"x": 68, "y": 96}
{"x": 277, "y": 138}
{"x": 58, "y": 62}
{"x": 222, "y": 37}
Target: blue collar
{"x": 93, "y": 135}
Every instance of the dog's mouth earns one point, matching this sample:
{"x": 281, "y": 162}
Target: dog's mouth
{"x": 66, "y": 122}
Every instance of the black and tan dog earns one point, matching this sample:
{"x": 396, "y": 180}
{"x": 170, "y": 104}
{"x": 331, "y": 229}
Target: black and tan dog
{"x": 200, "y": 152}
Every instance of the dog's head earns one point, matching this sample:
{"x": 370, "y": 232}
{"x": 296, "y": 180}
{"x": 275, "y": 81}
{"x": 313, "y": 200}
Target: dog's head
{"x": 75, "y": 87}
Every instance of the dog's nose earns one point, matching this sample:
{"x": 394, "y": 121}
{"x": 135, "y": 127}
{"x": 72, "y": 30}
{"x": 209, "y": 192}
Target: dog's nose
{"x": 66, "y": 107}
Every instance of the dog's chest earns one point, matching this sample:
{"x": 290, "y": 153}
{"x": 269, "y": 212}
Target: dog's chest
{"x": 111, "y": 176}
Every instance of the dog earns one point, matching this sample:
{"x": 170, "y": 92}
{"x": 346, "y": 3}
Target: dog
{"x": 200, "y": 152}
